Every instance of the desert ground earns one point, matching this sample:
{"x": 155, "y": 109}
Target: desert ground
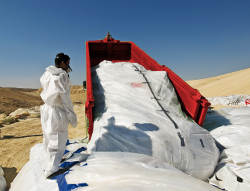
{"x": 21, "y": 135}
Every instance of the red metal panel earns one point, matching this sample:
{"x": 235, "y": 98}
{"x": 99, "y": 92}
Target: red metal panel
{"x": 89, "y": 104}
{"x": 193, "y": 103}
{"x": 189, "y": 97}
{"x": 203, "y": 110}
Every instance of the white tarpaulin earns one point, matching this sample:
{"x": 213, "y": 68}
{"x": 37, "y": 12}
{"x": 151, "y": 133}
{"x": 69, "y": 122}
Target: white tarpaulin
{"x": 105, "y": 171}
{"x": 138, "y": 111}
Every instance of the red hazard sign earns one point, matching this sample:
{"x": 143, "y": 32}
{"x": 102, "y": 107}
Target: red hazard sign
{"x": 136, "y": 85}
{"x": 247, "y": 101}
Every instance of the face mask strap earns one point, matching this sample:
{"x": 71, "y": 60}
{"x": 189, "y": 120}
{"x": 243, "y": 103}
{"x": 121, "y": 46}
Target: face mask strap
{"x": 69, "y": 69}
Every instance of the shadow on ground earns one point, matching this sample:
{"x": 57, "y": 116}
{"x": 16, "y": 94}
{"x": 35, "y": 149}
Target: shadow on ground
{"x": 9, "y": 175}
{"x": 214, "y": 120}
{"x": 98, "y": 91}
{"x": 14, "y": 137}
{"x": 122, "y": 139}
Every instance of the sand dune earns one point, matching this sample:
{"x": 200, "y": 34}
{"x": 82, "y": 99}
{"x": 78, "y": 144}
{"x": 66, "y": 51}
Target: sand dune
{"x": 224, "y": 85}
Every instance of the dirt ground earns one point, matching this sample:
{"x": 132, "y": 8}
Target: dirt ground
{"x": 16, "y": 139}
{"x": 14, "y": 98}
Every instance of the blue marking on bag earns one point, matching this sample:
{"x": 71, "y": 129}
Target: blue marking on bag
{"x": 68, "y": 164}
{"x": 65, "y": 152}
{"x": 62, "y": 183}
{"x": 80, "y": 150}
{"x": 67, "y": 143}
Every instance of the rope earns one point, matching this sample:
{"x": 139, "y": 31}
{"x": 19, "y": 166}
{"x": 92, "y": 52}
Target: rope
{"x": 160, "y": 105}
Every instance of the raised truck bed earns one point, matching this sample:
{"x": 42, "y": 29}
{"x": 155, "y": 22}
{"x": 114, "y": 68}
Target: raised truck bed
{"x": 193, "y": 103}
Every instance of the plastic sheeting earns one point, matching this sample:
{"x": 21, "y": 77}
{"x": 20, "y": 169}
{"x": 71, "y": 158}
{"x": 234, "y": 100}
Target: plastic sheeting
{"x": 233, "y": 170}
{"x": 138, "y": 111}
{"x": 235, "y": 129}
{"x": 31, "y": 177}
{"x": 130, "y": 171}
{"x": 2, "y": 180}
{"x": 106, "y": 171}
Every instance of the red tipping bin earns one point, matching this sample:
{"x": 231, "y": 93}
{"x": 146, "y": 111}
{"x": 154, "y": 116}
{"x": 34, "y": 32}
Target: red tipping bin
{"x": 192, "y": 102}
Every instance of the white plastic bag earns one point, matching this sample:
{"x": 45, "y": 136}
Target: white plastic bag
{"x": 138, "y": 111}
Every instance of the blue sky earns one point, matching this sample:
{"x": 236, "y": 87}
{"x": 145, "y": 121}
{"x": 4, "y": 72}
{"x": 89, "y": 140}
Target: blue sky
{"x": 195, "y": 38}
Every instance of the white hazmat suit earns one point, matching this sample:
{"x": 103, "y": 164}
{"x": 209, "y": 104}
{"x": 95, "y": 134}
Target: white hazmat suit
{"x": 56, "y": 114}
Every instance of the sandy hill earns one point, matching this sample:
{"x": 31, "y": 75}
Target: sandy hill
{"x": 14, "y": 98}
{"x": 227, "y": 84}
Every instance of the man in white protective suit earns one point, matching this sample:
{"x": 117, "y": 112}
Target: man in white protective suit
{"x": 57, "y": 112}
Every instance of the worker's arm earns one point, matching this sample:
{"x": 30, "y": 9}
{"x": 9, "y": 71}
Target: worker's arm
{"x": 64, "y": 86}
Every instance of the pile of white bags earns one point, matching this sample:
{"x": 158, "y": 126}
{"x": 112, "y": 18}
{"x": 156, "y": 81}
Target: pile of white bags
{"x": 137, "y": 111}
{"x": 233, "y": 170}
{"x": 232, "y": 100}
